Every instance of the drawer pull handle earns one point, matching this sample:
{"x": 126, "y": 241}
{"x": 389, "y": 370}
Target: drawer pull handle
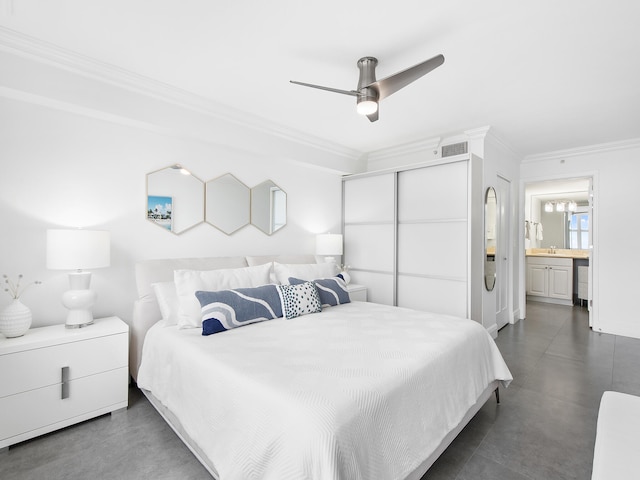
{"x": 64, "y": 393}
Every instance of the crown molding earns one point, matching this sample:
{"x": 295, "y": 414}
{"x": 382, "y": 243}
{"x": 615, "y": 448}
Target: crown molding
{"x": 29, "y": 47}
{"x": 491, "y": 136}
{"x": 581, "y": 151}
{"x": 477, "y": 133}
{"x": 409, "y": 148}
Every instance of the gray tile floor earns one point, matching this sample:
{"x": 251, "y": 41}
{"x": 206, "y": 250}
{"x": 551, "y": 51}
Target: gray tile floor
{"x": 544, "y": 427}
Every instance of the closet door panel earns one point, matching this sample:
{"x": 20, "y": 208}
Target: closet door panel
{"x": 435, "y": 249}
{"x": 433, "y": 238}
{"x": 433, "y": 295}
{"x": 369, "y": 247}
{"x": 436, "y": 192}
{"x": 379, "y": 286}
{"x": 369, "y": 199}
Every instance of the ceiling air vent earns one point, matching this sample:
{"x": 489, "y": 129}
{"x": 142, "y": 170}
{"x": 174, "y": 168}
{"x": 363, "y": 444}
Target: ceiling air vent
{"x": 454, "y": 149}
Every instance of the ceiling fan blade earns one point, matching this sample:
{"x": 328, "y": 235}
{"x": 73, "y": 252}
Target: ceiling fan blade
{"x": 329, "y": 89}
{"x": 391, "y": 84}
{"x": 374, "y": 116}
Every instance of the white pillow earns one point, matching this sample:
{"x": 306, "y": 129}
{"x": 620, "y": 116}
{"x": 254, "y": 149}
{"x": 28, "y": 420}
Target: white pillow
{"x": 167, "y": 301}
{"x": 304, "y": 271}
{"x": 188, "y": 282}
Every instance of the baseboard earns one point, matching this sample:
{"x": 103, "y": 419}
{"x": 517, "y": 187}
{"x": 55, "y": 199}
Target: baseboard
{"x": 515, "y": 316}
{"x": 555, "y": 301}
{"x": 493, "y": 331}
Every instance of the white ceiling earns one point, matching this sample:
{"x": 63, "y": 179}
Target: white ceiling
{"x": 545, "y": 75}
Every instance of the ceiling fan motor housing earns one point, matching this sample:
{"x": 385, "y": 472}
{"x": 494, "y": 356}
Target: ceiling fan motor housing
{"x": 367, "y": 67}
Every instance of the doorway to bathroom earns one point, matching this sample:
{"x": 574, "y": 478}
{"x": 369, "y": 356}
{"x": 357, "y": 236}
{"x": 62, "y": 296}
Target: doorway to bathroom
{"x": 559, "y": 232}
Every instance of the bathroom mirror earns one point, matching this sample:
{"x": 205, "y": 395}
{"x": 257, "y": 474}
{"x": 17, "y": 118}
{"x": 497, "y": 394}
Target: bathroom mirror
{"x": 490, "y": 223}
{"x": 557, "y": 212}
{"x": 228, "y": 203}
{"x": 175, "y": 199}
{"x": 268, "y": 207}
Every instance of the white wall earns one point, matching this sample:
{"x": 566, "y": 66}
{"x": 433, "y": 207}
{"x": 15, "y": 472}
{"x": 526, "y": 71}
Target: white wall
{"x": 501, "y": 161}
{"x": 616, "y": 169}
{"x": 63, "y": 165}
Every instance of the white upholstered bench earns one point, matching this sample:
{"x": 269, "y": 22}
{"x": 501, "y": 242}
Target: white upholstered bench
{"x": 617, "y": 450}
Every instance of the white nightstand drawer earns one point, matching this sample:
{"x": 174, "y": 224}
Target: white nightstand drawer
{"x": 43, "y": 409}
{"x": 40, "y": 367}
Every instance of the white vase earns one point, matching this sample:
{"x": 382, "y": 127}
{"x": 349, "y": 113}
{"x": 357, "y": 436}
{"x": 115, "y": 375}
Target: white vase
{"x": 15, "y": 320}
{"x": 346, "y": 276}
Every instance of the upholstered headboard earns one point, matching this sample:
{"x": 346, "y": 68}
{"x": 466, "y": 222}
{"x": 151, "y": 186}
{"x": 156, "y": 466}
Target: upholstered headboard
{"x": 146, "y": 311}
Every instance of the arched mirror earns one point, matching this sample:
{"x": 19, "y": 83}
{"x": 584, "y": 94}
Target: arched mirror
{"x": 228, "y": 203}
{"x": 175, "y": 199}
{"x": 268, "y": 207}
{"x": 490, "y": 223}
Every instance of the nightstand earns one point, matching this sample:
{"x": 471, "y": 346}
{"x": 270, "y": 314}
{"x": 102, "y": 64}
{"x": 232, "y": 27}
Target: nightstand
{"x": 357, "y": 293}
{"x": 53, "y": 377}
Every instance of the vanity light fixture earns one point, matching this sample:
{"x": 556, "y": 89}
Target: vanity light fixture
{"x": 78, "y": 250}
{"x": 560, "y": 206}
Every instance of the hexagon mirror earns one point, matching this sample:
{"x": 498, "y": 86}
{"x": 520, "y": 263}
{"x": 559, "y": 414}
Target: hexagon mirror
{"x": 175, "y": 199}
{"x": 228, "y": 203}
{"x": 268, "y": 207}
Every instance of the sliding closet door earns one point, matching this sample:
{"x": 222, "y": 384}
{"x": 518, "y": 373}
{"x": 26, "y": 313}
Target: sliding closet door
{"x": 433, "y": 236}
{"x": 369, "y": 234}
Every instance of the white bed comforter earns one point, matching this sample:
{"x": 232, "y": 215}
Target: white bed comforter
{"x": 359, "y": 391}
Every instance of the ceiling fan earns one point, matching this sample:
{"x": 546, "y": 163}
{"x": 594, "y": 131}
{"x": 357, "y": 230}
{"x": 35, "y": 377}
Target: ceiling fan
{"x": 370, "y": 91}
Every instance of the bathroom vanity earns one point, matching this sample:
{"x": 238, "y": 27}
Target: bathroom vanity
{"x": 552, "y": 276}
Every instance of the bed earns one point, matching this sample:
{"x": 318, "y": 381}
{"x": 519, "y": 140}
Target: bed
{"x": 355, "y": 391}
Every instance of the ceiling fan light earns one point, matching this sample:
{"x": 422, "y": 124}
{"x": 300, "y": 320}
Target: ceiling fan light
{"x": 367, "y": 107}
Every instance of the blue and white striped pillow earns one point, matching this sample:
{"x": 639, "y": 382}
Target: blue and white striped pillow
{"x": 332, "y": 291}
{"x": 227, "y": 309}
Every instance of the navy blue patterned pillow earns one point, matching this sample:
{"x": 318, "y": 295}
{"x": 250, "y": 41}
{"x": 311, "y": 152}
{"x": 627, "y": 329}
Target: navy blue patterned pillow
{"x": 299, "y": 299}
{"x": 332, "y": 291}
{"x": 229, "y": 309}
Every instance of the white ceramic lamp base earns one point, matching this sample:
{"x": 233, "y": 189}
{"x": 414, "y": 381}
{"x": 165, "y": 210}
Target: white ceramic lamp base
{"x": 79, "y": 300}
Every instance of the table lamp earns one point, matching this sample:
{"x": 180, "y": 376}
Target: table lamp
{"x": 78, "y": 250}
{"x": 329, "y": 244}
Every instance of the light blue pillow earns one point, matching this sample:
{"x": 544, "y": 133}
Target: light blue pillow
{"x": 332, "y": 291}
{"x": 227, "y": 309}
{"x": 299, "y": 299}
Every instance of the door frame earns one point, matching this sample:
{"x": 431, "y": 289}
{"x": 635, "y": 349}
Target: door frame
{"x": 504, "y": 253}
{"x": 593, "y": 302}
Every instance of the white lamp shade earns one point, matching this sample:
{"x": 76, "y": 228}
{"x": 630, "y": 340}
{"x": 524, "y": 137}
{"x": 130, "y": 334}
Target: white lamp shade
{"x": 329, "y": 244}
{"x": 78, "y": 249}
